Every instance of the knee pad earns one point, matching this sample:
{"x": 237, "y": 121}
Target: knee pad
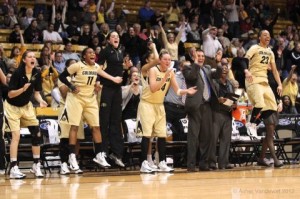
{"x": 270, "y": 117}
{"x": 37, "y": 138}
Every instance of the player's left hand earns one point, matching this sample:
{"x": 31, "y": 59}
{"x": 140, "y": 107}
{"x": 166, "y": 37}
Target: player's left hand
{"x": 279, "y": 90}
{"x": 43, "y": 104}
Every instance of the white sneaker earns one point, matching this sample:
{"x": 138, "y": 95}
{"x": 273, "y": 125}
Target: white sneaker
{"x": 145, "y": 168}
{"x": 163, "y": 167}
{"x": 73, "y": 162}
{"x": 36, "y": 169}
{"x": 152, "y": 166}
{"x": 64, "y": 170}
{"x": 15, "y": 173}
{"x": 251, "y": 129}
{"x": 100, "y": 159}
{"x": 79, "y": 171}
{"x": 2, "y": 171}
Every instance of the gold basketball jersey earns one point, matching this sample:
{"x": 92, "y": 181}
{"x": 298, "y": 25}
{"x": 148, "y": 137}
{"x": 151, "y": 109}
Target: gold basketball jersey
{"x": 84, "y": 77}
{"x": 259, "y": 61}
{"x": 158, "y": 96}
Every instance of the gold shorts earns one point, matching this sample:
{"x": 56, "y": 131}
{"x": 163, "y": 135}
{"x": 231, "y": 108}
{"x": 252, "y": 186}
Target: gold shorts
{"x": 262, "y": 96}
{"x": 65, "y": 128}
{"x": 77, "y": 107}
{"x": 153, "y": 119}
{"x": 17, "y": 117}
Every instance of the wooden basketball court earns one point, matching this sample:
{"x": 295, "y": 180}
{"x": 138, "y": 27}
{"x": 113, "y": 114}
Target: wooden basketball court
{"x": 244, "y": 182}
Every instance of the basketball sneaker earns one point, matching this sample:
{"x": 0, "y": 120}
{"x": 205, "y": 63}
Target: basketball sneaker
{"x": 15, "y": 173}
{"x": 145, "y": 168}
{"x": 100, "y": 159}
{"x": 36, "y": 170}
{"x": 117, "y": 160}
{"x": 73, "y": 162}
{"x": 163, "y": 167}
{"x": 64, "y": 170}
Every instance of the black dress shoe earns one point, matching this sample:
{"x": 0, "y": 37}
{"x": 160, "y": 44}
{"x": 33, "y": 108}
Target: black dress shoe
{"x": 190, "y": 170}
{"x": 263, "y": 163}
{"x": 228, "y": 166}
{"x": 278, "y": 165}
{"x": 204, "y": 169}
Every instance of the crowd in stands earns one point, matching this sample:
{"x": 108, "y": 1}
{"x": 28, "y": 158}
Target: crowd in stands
{"x": 228, "y": 28}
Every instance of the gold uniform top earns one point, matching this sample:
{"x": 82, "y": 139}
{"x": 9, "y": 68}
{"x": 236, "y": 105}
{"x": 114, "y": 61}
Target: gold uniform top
{"x": 259, "y": 61}
{"x": 158, "y": 96}
{"x": 84, "y": 77}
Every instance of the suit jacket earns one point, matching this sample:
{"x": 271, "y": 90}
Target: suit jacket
{"x": 220, "y": 107}
{"x": 193, "y": 78}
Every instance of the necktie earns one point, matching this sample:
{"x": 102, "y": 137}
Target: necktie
{"x": 206, "y": 91}
{"x": 183, "y": 86}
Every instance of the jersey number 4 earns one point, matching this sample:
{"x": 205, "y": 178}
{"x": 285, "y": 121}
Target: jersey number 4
{"x": 90, "y": 80}
{"x": 265, "y": 60}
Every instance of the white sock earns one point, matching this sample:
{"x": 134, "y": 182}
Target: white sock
{"x": 149, "y": 158}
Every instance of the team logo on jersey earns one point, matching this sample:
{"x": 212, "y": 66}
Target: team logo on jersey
{"x": 64, "y": 116}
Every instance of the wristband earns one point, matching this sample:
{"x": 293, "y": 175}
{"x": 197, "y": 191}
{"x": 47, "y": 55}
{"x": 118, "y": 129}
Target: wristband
{"x": 178, "y": 91}
{"x": 72, "y": 87}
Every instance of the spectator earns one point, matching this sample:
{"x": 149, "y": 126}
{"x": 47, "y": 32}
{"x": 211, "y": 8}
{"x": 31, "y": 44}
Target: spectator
{"x": 157, "y": 17}
{"x": 32, "y": 34}
{"x": 51, "y": 35}
{"x": 172, "y": 16}
{"x": 210, "y": 45}
{"x": 86, "y": 35}
{"x": 281, "y": 54}
{"x": 49, "y": 79}
{"x": 59, "y": 63}
{"x": 73, "y": 30}
{"x": 193, "y": 35}
{"x": 68, "y": 52}
{"x": 294, "y": 58}
{"x": 233, "y": 18}
{"x": 290, "y": 86}
{"x": 26, "y": 21}
{"x": 145, "y": 14}
{"x": 58, "y": 19}
{"x": 171, "y": 43}
{"x": 17, "y": 53}
{"x": 15, "y": 35}
{"x": 287, "y": 107}
{"x": 219, "y": 13}
{"x": 41, "y": 23}
{"x": 133, "y": 44}
{"x": 44, "y": 59}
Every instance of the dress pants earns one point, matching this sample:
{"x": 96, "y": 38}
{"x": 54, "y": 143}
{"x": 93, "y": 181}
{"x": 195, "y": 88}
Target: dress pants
{"x": 199, "y": 138}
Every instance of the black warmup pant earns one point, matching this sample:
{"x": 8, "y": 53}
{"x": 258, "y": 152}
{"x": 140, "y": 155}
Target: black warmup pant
{"x": 2, "y": 143}
{"x": 110, "y": 120}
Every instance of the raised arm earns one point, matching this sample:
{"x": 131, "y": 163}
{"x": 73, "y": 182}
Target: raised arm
{"x": 111, "y": 8}
{"x": 178, "y": 37}
{"x": 63, "y": 17}
{"x": 163, "y": 34}
{"x": 155, "y": 61}
{"x": 98, "y": 6}
{"x": 53, "y": 12}
{"x": 291, "y": 72}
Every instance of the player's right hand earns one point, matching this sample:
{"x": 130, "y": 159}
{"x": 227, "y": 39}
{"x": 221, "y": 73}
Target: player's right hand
{"x": 117, "y": 79}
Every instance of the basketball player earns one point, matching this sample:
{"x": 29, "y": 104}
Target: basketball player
{"x": 260, "y": 94}
{"x": 151, "y": 112}
{"x": 81, "y": 101}
{"x": 65, "y": 128}
{"x": 25, "y": 81}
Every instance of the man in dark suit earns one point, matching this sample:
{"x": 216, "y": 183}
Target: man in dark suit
{"x": 199, "y": 111}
